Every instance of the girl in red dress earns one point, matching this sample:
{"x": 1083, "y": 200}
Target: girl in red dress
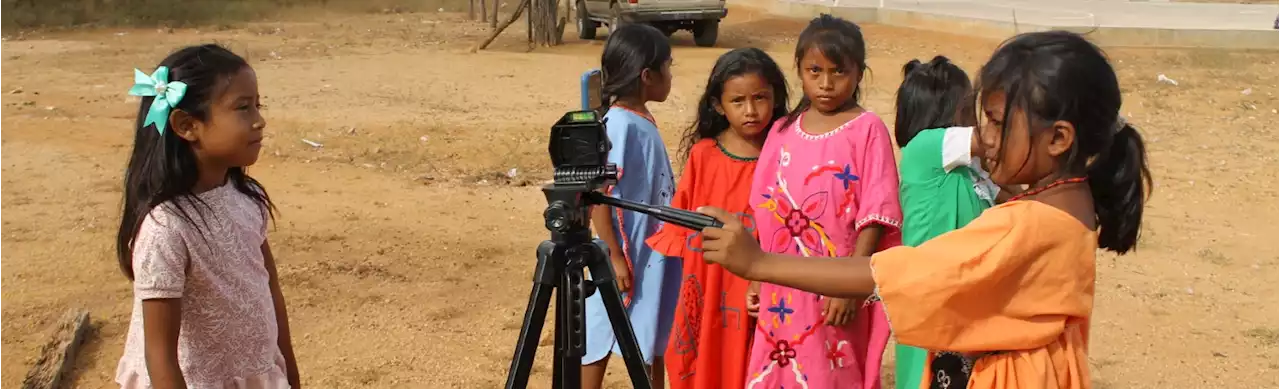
{"x": 714, "y": 320}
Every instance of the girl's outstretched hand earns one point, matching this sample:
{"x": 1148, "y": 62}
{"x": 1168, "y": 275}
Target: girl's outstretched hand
{"x": 731, "y": 246}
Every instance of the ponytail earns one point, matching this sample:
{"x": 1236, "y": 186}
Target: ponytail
{"x": 912, "y": 65}
{"x": 1120, "y": 182}
{"x": 935, "y": 94}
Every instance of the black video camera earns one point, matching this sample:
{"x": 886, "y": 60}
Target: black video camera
{"x": 579, "y": 149}
{"x": 579, "y": 144}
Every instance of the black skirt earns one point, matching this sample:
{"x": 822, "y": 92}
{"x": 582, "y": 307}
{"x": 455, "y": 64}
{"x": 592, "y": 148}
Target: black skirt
{"x": 949, "y": 370}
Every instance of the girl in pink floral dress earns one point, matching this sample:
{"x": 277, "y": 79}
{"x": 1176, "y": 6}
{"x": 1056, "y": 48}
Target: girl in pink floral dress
{"x": 207, "y": 308}
{"x": 825, "y": 185}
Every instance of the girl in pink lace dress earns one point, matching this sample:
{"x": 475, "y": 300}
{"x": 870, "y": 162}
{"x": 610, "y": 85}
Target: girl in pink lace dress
{"x": 207, "y": 310}
{"x": 825, "y": 186}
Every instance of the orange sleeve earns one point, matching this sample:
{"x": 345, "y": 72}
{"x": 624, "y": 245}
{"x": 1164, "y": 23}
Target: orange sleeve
{"x": 1013, "y": 279}
{"x": 670, "y": 239}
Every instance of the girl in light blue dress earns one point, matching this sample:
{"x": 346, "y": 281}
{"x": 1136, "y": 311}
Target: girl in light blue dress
{"x": 636, "y": 65}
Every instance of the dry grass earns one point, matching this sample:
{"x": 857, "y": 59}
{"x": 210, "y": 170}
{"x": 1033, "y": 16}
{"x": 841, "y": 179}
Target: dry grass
{"x": 1264, "y": 336}
{"x": 22, "y": 15}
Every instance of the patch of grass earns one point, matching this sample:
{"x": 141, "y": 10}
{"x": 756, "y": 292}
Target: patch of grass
{"x": 38, "y": 14}
{"x": 1266, "y": 336}
{"x": 1213, "y": 256}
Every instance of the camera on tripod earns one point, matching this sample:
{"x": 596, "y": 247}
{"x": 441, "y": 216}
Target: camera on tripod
{"x": 579, "y": 149}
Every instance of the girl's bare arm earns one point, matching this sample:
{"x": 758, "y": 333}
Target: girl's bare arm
{"x": 738, "y": 252}
{"x": 602, "y": 223}
{"x": 285, "y": 340}
{"x": 847, "y": 277}
{"x": 161, "y": 323}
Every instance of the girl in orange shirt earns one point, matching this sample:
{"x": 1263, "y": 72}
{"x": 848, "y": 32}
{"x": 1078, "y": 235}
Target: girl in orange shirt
{"x": 710, "y": 339}
{"x": 1006, "y": 300}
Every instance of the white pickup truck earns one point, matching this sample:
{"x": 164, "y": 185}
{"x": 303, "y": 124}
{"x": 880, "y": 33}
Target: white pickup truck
{"x": 702, "y": 17}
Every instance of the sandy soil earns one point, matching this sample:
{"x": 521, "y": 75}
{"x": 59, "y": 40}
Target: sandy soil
{"x": 405, "y": 251}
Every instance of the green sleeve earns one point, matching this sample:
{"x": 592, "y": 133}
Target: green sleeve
{"x": 924, "y": 152}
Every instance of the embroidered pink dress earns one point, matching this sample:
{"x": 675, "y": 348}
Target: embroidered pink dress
{"x": 228, "y": 334}
{"x": 810, "y": 196}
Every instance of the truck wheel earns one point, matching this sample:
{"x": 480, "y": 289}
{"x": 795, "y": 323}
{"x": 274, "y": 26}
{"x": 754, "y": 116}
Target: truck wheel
{"x": 667, "y": 29}
{"x": 586, "y": 26}
{"x": 706, "y": 32}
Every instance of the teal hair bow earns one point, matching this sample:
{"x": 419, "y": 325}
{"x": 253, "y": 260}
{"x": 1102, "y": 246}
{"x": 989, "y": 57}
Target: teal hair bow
{"x": 167, "y": 95}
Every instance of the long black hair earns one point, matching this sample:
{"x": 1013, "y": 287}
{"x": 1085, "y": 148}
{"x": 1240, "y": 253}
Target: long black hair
{"x": 735, "y": 63}
{"x": 162, "y": 167}
{"x": 630, "y": 50}
{"x": 841, "y": 42}
{"x": 936, "y": 94}
{"x": 1058, "y": 75}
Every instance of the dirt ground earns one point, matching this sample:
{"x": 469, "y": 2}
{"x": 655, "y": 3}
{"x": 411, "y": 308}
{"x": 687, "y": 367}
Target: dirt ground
{"x": 405, "y": 249}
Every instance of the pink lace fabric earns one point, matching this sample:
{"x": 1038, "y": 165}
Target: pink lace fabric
{"x": 228, "y": 334}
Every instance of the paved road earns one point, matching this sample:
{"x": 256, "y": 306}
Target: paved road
{"x": 1089, "y": 13}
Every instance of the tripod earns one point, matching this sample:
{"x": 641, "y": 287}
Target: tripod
{"x": 560, "y": 264}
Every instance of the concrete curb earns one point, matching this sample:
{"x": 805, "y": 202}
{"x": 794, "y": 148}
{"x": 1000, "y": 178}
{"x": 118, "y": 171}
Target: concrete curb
{"x": 975, "y": 18}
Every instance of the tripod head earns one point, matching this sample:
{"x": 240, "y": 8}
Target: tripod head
{"x": 579, "y": 148}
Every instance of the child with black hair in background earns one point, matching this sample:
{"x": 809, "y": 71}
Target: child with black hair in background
{"x": 745, "y": 94}
{"x": 636, "y": 65}
{"x": 942, "y": 186}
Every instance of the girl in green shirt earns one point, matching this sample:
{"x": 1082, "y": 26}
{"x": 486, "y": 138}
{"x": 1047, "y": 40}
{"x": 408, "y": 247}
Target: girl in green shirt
{"x": 942, "y": 186}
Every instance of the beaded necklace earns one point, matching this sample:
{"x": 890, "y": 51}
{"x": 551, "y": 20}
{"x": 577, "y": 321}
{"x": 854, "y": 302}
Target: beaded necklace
{"x": 734, "y": 156}
{"x": 1036, "y": 191}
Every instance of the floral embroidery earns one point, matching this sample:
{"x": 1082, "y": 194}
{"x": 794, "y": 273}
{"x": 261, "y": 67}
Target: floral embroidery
{"x": 844, "y": 175}
{"x": 835, "y": 355}
{"x": 782, "y": 353}
{"x": 783, "y": 356}
{"x": 799, "y": 228}
{"x": 780, "y": 310}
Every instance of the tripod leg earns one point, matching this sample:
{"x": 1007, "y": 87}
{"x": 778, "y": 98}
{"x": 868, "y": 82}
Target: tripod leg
{"x": 561, "y": 342}
{"x": 607, "y": 287}
{"x": 546, "y": 276}
{"x": 571, "y": 337}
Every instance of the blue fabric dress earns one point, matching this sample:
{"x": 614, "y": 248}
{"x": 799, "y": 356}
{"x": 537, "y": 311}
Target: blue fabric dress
{"x": 644, "y": 175}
